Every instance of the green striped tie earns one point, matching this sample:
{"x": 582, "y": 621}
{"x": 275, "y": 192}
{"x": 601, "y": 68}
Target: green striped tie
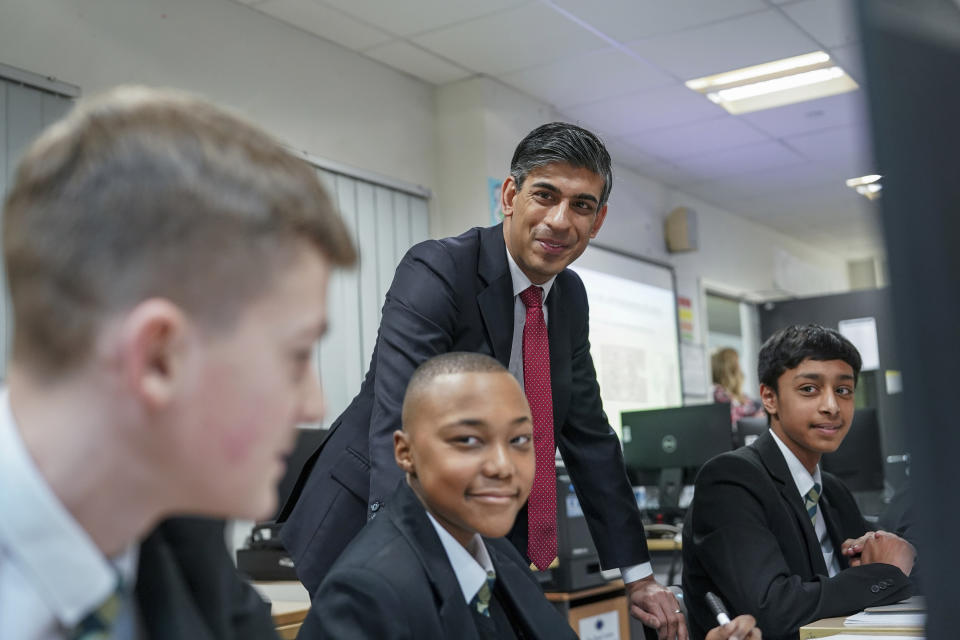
{"x": 812, "y": 497}
{"x": 482, "y": 599}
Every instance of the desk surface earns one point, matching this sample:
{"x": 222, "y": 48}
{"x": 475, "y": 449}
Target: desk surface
{"x": 832, "y": 626}
{"x": 664, "y": 544}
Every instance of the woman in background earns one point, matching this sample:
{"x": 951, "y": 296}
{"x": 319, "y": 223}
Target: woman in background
{"x": 728, "y": 385}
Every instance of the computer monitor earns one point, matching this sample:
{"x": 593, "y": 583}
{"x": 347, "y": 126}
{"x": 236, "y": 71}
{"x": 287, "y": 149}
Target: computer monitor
{"x": 748, "y": 430}
{"x": 668, "y": 446}
{"x": 858, "y": 462}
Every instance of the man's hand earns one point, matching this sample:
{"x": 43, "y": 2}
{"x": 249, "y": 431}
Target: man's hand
{"x": 890, "y": 549}
{"x": 656, "y": 607}
{"x": 853, "y": 548}
{"x": 740, "y": 628}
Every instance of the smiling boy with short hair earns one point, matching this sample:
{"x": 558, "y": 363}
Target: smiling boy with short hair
{"x": 768, "y": 531}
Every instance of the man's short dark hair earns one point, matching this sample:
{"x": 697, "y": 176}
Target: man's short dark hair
{"x": 790, "y": 346}
{"x": 447, "y": 363}
{"x": 562, "y": 142}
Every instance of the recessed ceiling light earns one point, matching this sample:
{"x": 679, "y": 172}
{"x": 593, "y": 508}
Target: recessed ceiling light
{"x": 867, "y": 186}
{"x": 774, "y": 84}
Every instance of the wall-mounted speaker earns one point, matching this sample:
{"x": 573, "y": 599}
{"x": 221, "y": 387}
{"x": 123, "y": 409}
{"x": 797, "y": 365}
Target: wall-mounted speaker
{"x": 680, "y": 230}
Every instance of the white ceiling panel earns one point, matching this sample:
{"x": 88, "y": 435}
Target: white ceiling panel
{"x": 771, "y": 183}
{"x": 747, "y": 159}
{"x": 835, "y": 147}
{"x": 829, "y": 22}
{"x": 731, "y": 44}
{"x": 587, "y": 78}
{"x": 408, "y": 17}
{"x": 647, "y": 110}
{"x": 693, "y": 139}
{"x": 813, "y": 115}
{"x": 408, "y": 58}
{"x": 528, "y": 36}
{"x": 625, "y": 20}
{"x": 325, "y": 22}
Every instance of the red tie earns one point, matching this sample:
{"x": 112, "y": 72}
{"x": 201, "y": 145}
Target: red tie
{"x": 542, "y": 505}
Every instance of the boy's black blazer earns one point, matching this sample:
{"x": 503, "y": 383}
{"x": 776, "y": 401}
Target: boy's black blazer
{"x": 456, "y": 294}
{"x": 187, "y": 586}
{"x": 394, "y": 582}
{"x": 748, "y": 539}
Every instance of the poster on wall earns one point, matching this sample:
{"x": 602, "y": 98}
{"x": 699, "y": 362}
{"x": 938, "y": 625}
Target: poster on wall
{"x": 493, "y": 191}
{"x": 862, "y": 332}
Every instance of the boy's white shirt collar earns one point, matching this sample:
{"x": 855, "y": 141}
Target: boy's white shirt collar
{"x": 50, "y": 545}
{"x": 801, "y": 477}
{"x": 470, "y": 567}
{"x": 521, "y": 282}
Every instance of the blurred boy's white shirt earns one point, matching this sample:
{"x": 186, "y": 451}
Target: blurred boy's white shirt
{"x": 51, "y": 573}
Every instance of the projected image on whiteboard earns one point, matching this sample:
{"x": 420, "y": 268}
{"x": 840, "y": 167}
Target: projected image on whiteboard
{"x": 633, "y": 341}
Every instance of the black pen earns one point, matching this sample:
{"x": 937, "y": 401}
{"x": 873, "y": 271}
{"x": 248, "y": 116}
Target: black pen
{"x": 716, "y": 605}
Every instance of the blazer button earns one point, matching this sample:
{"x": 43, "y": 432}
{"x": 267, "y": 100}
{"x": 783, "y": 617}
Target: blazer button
{"x": 375, "y": 506}
{"x": 875, "y": 588}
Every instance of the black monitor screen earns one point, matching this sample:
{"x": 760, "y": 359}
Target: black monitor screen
{"x": 677, "y": 441}
{"x": 748, "y": 429}
{"x": 858, "y": 462}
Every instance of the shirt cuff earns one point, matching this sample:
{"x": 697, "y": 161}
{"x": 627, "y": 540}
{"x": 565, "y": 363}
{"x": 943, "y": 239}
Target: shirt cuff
{"x": 636, "y": 572}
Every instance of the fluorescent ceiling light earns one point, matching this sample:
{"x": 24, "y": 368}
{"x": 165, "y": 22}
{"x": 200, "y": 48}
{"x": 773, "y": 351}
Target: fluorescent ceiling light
{"x": 867, "y": 186}
{"x": 774, "y": 84}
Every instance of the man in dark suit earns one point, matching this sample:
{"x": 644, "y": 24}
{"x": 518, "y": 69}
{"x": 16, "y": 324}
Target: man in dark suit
{"x": 168, "y": 265}
{"x": 768, "y": 531}
{"x": 504, "y": 291}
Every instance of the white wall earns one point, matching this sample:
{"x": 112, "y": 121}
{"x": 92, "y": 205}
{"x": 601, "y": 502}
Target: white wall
{"x": 312, "y": 94}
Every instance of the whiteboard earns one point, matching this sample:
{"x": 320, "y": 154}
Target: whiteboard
{"x": 633, "y": 331}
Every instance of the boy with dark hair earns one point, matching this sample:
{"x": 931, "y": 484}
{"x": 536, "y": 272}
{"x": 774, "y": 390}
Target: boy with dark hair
{"x": 434, "y": 564}
{"x": 168, "y": 265}
{"x": 768, "y": 531}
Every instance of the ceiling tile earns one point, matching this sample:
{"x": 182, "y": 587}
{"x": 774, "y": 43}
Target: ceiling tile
{"x": 625, "y": 20}
{"x": 838, "y": 146}
{"x": 830, "y": 22}
{"x": 813, "y": 115}
{"x": 325, "y": 22}
{"x": 408, "y": 17}
{"x": 746, "y": 159}
{"x": 510, "y": 40}
{"x": 647, "y": 110}
{"x": 774, "y": 182}
{"x": 590, "y": 77}
{"x": 697, "y": 138}
{"x": 410, "y": 59}
{"x": 731, "y": 44}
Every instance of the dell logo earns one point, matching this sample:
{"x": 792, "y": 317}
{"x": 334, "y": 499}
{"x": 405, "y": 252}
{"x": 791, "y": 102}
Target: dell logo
{"x": 668, "y": 444}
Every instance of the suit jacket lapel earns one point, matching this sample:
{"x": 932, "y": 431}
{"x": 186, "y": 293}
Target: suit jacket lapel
{"x": 409, "y": 516}
{"x": 166, "y": 605}
{"x": 558, "y": 330}
{"x": 777, "y": 468}
{"x": 536, "y": 618}
{"x": 495, "y": 296}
